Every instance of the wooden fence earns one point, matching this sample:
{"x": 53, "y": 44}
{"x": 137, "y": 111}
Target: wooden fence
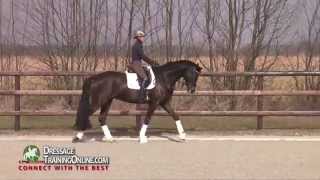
{"x": 260, "y": 93}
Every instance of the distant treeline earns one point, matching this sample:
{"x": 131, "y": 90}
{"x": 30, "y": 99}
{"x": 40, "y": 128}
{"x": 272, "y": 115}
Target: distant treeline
{"x": 154, "y": 50}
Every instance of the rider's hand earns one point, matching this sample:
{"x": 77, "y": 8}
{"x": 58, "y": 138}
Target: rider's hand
{"x": 155, "y": 63}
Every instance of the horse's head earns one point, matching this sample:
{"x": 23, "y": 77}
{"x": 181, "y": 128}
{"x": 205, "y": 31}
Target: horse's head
{"x": 185, "y": 69}
{"x": 191, "y": 75}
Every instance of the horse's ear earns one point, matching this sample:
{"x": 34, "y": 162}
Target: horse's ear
{"x": 199, "y": 68}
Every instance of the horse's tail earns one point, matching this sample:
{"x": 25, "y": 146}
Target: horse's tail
{"x": 82, "y": 120}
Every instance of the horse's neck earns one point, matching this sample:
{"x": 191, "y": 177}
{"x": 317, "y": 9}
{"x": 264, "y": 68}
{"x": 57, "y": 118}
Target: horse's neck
{"x": 173, "y": 75}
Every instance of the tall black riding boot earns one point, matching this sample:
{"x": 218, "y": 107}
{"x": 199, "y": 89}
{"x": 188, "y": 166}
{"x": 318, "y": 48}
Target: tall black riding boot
{"x": 142, "y": 92}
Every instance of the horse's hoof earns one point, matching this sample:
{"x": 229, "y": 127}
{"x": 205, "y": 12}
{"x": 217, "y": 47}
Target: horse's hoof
{"x": 143, "y": 140}
{"x": 77, "y": 140}
{"x": 182, "y": 136}
{"x": 109, "y": 140}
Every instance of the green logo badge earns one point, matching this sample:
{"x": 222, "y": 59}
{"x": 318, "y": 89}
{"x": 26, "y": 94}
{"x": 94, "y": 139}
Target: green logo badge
{"x": 31, "y": 153}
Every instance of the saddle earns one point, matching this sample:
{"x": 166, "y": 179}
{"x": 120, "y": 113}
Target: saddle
{"x": 133, "y": 79}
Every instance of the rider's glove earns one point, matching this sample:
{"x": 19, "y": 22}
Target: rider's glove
{"x": 155, "y": 63}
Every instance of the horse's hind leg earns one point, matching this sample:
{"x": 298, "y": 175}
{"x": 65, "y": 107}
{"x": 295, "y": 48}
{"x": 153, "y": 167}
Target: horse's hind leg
{"x": 102, "y": 119}
{"x": 167, "y": 107}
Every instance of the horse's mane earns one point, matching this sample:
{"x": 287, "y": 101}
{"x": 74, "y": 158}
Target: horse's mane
{"x": 186, "y": 62}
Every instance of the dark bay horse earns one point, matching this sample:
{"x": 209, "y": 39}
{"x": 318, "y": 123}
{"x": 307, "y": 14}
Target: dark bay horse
{"x": 99, "y": 90}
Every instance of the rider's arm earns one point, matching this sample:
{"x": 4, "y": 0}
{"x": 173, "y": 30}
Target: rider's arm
{"x": 146, "y": 58}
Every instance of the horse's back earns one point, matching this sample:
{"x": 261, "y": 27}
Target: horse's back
{"x": 106, "y": 85}
{"x": 107, "y": 80}
{"x": 107, "y": 75}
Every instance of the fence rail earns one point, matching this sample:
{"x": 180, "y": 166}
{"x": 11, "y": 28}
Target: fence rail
{"x": 163, "y": 113}
{"x": 176, "y": 93}
{"x": 259, "y": 93}
{"x": 85, "y": 73}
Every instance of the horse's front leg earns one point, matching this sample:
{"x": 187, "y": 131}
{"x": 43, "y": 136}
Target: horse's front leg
{"x": 167, "y": 107}
{"x": 142, "y": 135}
{"x": 102, "y": 119}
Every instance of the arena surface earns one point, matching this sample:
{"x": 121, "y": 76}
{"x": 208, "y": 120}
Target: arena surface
{"x": 201, "y": 157}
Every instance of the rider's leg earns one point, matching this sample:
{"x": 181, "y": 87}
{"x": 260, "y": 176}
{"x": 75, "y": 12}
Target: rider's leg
{"x": 136, "y": 67}
{"x": 143, "y": 90}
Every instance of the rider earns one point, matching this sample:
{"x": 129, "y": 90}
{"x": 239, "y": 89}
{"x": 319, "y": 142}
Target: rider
{"x": 136, "y": 64}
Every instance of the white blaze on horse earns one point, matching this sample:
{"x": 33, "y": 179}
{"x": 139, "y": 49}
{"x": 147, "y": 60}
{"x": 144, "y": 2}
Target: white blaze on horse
{"x": 99, "y": 91}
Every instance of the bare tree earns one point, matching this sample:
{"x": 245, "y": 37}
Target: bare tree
{"x": 130, "y": 31}
{"x": 212, "y": 14}
{"x": 180, "y": 30}
{"x": 232, "y": 33}
{"x": 168, "y": 27}
{"x": 267, "y": 27}
{"x": 147, "y": 22}
{"x": 69, "y": 36}
{"x": 250, "y": 29}
{"x": 106, "y": 36}
{"x": 311, "y": 48}
{"x": 1, "y": 45}
{"x": 118, "y": 31}
{"x": 207, "y": 24}
{"x": 1, "y": 40}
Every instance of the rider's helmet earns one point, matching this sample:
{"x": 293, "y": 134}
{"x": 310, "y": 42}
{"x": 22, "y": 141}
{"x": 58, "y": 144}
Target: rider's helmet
{"x": 139, "y": 34}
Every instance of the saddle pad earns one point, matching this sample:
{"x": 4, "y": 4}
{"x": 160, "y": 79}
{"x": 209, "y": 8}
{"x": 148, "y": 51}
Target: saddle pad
{"x": 133, "y": 83}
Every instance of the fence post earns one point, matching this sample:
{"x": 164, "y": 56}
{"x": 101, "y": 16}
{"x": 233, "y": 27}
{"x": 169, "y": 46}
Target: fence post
{"x": 260, "y": 103}
{"x": 17, "y": 103}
